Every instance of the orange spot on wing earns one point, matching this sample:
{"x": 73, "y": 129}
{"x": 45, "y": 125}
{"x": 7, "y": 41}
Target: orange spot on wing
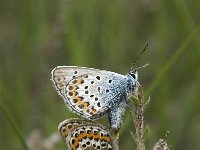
{"x": 91, "y": 134}
{"x": 73, "y": 146}
{"x": 81, "y": 136}
{"x": 96, "y": 136}
{"x": 106, "y": 138}
{"x": 64, "y": 132}
{"x": 77, "y": 100}
{"x": 85, "y": 104}
{"x": 94, "y": 111}
{"x": 78, "y": 81}
{"x": 74, "y": 93}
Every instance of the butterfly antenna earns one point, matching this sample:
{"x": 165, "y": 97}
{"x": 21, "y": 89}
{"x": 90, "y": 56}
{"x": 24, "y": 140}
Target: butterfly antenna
{"x": 136, "y": 59}
{"x": 141, "y": 66}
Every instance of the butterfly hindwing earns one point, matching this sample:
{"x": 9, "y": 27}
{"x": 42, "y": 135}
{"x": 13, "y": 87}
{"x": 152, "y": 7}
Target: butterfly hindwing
{"x": 81, "y": 134}
{"x": 89, "y": 92}
{"x": 66, "y": 126}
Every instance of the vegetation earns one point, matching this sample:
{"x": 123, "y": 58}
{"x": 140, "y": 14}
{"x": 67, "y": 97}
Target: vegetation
{"x": 37, "y": 36}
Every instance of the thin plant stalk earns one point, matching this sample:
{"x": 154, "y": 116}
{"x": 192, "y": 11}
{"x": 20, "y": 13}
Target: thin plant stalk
{"x": 139, "y": 120}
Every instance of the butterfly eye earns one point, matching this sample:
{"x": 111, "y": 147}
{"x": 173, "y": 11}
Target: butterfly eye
{"x": 133, "y": 75}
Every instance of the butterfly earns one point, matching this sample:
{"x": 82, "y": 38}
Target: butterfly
{"x": 91, "y": 93}
{"x": 80, "y": 134}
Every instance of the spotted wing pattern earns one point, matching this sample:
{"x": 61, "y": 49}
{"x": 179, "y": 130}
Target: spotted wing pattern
{"x": 81, "y": 134}
{"x": 67, "y": 125}
{"x": 87, "y": 91}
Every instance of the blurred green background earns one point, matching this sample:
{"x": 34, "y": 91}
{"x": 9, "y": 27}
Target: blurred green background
{"x": 38, "y": 35}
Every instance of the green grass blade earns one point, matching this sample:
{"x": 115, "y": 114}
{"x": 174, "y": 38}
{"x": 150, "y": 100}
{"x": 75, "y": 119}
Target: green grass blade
{"x": 12, "y": 123}
{"x": 165, "y": 69}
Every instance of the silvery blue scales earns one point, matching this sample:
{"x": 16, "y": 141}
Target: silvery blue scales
{"x": 91, "y": 93}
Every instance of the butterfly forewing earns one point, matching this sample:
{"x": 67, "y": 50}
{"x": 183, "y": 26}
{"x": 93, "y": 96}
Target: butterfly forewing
{"x": 88, "y": 91}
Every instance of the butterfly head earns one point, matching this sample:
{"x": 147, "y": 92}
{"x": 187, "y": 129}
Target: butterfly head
{"x": 133, "y": 74}
{"x": 132, "y": 79}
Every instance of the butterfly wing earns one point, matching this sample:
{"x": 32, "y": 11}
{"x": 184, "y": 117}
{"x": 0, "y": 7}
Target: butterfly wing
{"x": 82, "y": 134}
{"x": 87, "y": 91}
{"x": 66, "y": 126}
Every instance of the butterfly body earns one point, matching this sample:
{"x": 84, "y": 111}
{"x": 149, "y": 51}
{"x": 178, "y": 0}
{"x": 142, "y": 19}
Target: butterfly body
{"x": 92, "y": 93}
